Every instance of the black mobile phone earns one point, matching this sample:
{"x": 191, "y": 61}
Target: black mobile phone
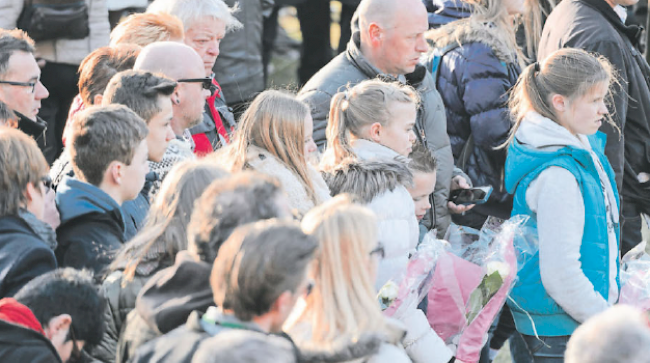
{"x": 478, "y": 195}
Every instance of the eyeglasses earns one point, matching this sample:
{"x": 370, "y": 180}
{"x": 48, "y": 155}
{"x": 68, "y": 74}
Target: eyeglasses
{"x": 75, "y": 356}
{"x": 22, "y": 84}
{"x": 206, "y": 82}
{"x": 379, "y": 251}
{"x": 47, "y": 183}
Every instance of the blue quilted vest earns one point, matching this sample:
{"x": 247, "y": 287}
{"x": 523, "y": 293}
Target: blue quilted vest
{"x": 532, "y": 304}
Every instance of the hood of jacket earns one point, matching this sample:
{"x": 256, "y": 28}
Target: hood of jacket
{"x": 443, "y": 12}
{"x": 467, "y": 30}
{"x": 169, "y": 297}
{"x": 14, "y": 312}
{"x": 75, "y": 198}
{"x": 537, "y": 141}
{"x": 376, "y": 170}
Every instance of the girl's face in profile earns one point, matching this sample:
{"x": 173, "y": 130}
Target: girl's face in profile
{"x": 398, "y": 134}
{"x": 584, "y": 114}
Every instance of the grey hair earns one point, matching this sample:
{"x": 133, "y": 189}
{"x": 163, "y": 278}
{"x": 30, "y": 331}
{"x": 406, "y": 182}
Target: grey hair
{"x": 619, "y": 335}
{"x": 190, "y": 11}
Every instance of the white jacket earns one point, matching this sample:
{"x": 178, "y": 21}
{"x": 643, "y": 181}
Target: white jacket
{"x": 379, "y": 178}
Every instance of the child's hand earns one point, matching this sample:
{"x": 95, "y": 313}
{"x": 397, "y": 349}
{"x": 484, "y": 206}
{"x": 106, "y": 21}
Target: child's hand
{"x": 458, "y": 182}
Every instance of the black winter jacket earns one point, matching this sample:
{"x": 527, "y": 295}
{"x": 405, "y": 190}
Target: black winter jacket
{"x": 165, "y": 303}
{"x": 21, "y": 344}
{"x": 474, "y": 80}
{"x": 92, "y": 226}
{"x": 23, "y": 255}
{"x": 593, "y": 25}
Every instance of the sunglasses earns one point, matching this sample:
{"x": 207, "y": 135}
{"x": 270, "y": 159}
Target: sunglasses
{"x": 205, "y": 82}
{"x": 47, "y": 183}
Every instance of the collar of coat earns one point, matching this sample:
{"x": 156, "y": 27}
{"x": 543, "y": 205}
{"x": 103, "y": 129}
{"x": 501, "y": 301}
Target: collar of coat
{"x": 632, "y": 32}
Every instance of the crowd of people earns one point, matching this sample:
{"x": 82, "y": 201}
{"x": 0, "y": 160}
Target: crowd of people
{"x": 157, "y": 204}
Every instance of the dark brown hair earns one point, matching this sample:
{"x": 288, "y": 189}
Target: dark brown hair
{"x": 21, "y": 162}
{"x": 99, "y": 66}
{"x": 101, "y": 135}
{"x": 138, "y": 91}
{"x": 257, "y": 264}
{"x": 227, "y": 204}
{"x": 13, "y": 41}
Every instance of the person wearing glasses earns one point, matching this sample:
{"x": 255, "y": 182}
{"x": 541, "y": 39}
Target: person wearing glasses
{"x": 27, "y": 243}
{"x": 20, "y": 85}
{"x": 51, "y": 319}
{"x": 206, "y": 23}
{"x": 342, "y": 311}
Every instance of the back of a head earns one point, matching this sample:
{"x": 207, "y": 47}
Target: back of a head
{"x": 7, "y": 116}
{"x": 257, "y": 264}
{"x": 241, "y": 346}
{"x": 146, "y": 28}
{"x": 190, "y": 11}
{"x": 621, "y": 334}
{"x": 101, "y": 135}
{"x": 185, "y": 62}
{"x": 360, "y": 106}
{"x": 139, "y": 91}
{"x": 13, "y": 41}
{"x": 21, "y": 162}
{"x": 343, "y": 300}
{"x": 169, "y": 214}
{"x": 227, "y": 204}
{"x": 67, "y": 291}
{"x": 100, "y": 66}
{"x": 422, "y": 160}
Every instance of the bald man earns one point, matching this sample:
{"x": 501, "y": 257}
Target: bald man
{"x": 387, "y": 41}
{"x": 182, "y": 64}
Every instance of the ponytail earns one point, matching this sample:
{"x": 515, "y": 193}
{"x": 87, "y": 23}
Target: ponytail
{"x": 338, "y": 135}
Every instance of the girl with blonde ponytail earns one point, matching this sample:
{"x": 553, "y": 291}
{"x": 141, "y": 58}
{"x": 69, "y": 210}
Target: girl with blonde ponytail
{"x": 561, "y": 179}
{"x": 341, "y": 311}
{"x": 369, "y": 136}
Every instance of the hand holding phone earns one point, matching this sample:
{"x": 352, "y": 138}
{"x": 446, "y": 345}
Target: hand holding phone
{"x": 478, "y": 195}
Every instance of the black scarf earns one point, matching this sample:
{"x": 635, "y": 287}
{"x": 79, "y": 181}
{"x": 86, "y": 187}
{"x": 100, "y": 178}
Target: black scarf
{"x": 632, "y": 32}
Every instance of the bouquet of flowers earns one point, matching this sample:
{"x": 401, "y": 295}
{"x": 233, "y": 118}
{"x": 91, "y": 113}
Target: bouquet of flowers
{"x": 471, "y": 281}
{"x": 398, "y": 298}
{"x": 635, "y": 278}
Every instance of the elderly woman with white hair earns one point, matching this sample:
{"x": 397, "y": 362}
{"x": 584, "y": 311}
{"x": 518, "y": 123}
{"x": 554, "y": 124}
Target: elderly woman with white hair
{"x": 206, "y": 23}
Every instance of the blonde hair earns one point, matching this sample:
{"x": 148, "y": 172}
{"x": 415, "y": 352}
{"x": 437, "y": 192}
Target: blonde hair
{"x": 165, "y": 231}
{"x": 343, "y": 301}
{"x": 360, "y": 106}
{"x": 275, "y": 122}
{"x": 146, "y": 28}
{"x": 569, "y": 72}
{"x": 533, "y": 25}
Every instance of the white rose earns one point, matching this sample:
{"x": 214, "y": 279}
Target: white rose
{"x": 389, "y": 291}
{"x": 495, "y": 266}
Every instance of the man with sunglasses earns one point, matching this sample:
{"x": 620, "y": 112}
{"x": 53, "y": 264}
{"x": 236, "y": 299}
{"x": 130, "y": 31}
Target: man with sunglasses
{"x": 26, "y": 242}
{"x": 51, "y": 319}
{"x": 21, "y": 88}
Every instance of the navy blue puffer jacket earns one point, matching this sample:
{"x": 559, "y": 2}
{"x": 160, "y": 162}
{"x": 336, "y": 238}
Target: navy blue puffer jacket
{"x": 474, "y": 80}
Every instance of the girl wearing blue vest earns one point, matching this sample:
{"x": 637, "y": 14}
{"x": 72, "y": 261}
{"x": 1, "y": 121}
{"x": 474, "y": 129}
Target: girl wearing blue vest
{"x": 560, "y": 177}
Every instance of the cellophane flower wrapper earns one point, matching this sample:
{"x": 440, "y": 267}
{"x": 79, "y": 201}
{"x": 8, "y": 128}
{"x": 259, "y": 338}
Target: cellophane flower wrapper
{"x": 635, "y": 278}
{"x": 418, "y": 277}
{"x": 484, "y": 261}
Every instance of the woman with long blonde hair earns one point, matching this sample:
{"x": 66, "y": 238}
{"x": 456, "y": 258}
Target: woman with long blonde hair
{"x": 476, "y": 61}
{"x": 275, "y": 138}
{"x": 154, "y": 247}
{"x": 342, "y": 311}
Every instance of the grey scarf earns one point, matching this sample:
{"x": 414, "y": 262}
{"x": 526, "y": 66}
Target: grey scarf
{"x": 42, "y": 229}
